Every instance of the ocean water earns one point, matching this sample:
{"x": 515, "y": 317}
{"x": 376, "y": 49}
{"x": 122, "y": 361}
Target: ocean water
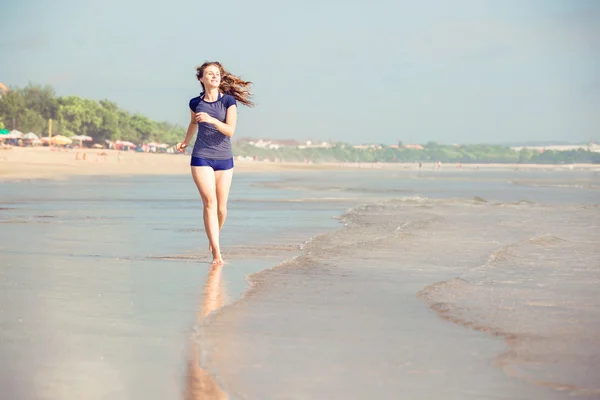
{"x": 454, "y": 285}
{"x": 391, "y": 280}
{"x": 101, "y": 278}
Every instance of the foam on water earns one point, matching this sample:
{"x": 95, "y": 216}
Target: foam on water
{"x": 497, "y": 264}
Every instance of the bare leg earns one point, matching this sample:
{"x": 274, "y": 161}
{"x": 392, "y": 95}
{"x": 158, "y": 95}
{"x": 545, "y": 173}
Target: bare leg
{"x": 204, "y": 177}
{"x": 223, "y": 184}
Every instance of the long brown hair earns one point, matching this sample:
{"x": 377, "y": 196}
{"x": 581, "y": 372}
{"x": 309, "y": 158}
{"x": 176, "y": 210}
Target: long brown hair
{"x": 230, "y": 84}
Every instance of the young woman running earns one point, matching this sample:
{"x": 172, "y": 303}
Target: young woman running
{"x": 214, "y": 118}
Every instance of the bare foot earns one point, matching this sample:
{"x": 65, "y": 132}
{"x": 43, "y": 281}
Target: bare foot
{"x": 217, "y": 257}
{"x": 217, "y": 261}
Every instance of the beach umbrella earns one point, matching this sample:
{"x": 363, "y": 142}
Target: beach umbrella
{"x": 82, "y": 138}
{"x": 12, "y": 135}
{"x": 30, "y": 136}
{"x": 125, "y": 143}
{"x": 16, "y": 134}
{"x": 4, "y": 132}
{"x": 59, "y": 139}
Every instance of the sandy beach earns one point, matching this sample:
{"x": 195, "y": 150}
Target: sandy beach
{"x": 22, "y": 163}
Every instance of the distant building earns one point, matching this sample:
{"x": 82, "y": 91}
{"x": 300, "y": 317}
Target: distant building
{"x": 264, "y": 144}
{"x": 309, "y": 144}
{"x": 367, "y": 146}
{"x": 569, "y": 147}
{"x": 279, "y": 143}
{"x": 413, "y": 146}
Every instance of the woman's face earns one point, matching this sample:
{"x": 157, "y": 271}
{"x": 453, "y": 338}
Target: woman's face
{"x": 211, "y": 78}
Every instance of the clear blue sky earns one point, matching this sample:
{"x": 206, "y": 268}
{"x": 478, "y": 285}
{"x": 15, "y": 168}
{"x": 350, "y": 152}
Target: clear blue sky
{"x": 459, "y": 71}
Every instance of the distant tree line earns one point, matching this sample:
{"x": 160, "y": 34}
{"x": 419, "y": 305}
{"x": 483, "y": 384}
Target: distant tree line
{"x": 432, "y": 152}
{"x": 28, "y": 109}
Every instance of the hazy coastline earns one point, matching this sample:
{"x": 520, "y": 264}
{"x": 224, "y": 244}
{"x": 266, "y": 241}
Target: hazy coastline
{"x": 22, "y": 163}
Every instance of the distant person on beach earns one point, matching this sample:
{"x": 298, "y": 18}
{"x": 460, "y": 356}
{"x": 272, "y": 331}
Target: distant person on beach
{"x": 214, "y": 119}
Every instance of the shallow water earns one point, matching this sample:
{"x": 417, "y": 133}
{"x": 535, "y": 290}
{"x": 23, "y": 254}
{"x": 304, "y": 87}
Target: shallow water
{"x": 105, "y": 288}
{"x": 100, "y": 279}
{"x": 354, "y": 306}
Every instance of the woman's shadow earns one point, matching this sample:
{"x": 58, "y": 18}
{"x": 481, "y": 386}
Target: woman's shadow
{"x": 199, "y": 383}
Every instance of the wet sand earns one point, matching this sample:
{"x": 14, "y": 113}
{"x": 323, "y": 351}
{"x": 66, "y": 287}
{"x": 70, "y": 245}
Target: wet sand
{"x": 357, "y": 314}
{"x": 199, "y": 383}
{"x": 101, "y": 279}
{"x": 25, "y": 163}
{"x": 414, "y": 298}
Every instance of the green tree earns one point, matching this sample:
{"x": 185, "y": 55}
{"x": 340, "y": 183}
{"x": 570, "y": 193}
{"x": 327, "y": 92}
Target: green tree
{"x": 12, "y": 108}
{"x": 29, "y": 109}
{"x": 108, "y": 112}
{"x": 78, "y": 116}
{"x": 32, "y": 121}
{"x": 40, "y": 99}
{"x": 144, "y": 128}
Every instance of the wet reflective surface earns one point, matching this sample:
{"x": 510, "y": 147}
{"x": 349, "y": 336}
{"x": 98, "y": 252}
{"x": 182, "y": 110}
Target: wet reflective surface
{"x": 106, "y": 290}
{"x": 101, "y": 280}
{"x": 200, "y": 384}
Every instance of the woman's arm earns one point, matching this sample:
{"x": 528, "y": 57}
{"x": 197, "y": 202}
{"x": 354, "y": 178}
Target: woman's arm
{"x": 191, "y": 130}
{"x": 227, "y": 128}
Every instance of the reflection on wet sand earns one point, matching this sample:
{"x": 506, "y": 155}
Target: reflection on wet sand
{"x": 199, "y": 383}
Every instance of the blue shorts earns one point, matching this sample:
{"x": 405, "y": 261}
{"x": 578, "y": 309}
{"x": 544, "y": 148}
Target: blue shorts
{"x": 217, "y": 165}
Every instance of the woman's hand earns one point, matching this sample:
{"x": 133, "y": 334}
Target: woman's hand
{"x": 204, "y": 117}
{"x": 181, "y": 146}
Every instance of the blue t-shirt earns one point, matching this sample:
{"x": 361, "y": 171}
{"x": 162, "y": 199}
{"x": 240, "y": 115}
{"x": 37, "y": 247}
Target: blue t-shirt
{"x": 210, "y": 143}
